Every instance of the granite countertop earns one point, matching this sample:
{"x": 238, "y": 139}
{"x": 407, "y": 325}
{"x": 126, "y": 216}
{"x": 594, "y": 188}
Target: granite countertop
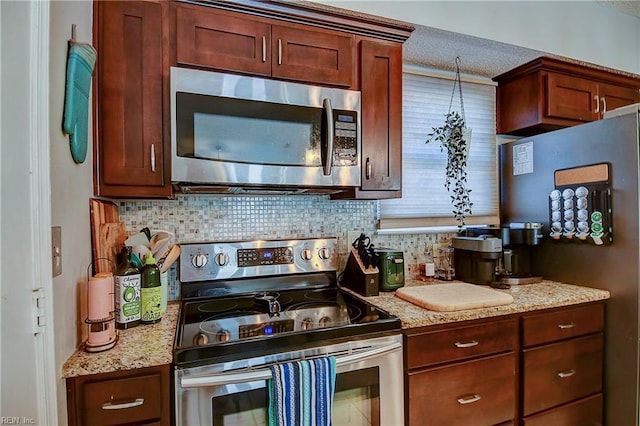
{"x": 138, "y": 347}
{"x": 526, "y": 297}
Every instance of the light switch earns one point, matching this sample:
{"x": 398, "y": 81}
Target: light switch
{"x": 56, "y": 250}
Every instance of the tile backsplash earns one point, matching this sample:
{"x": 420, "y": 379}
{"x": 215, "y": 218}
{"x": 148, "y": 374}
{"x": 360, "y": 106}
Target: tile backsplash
{"x": 216, "y": 218}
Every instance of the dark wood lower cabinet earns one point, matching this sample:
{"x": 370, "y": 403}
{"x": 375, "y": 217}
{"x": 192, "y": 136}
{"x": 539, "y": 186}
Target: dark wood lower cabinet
{"x": 561, "y": 372}
{"x": 543, "y": 368}
{"x": 472, "y": 392}
{"x": 584, "y": 412}
{"x": 141, "y": 397}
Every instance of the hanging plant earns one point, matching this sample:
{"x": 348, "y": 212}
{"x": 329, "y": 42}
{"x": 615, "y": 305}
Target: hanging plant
{"x": 454, "y": 138}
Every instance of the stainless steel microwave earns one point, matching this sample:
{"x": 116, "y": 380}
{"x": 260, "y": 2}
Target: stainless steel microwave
{"x": 239, "y": 134}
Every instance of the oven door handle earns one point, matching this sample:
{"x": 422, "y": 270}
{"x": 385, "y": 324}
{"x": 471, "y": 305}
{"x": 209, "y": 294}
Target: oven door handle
{"x": 265, "y": 373}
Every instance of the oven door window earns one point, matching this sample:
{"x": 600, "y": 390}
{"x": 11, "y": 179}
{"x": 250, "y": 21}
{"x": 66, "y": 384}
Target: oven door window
{"x": 250, "y": 132}
{"x": 356, "y": 402}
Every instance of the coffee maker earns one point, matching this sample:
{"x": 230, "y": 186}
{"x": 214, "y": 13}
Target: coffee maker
{"x": 518, "y": 242}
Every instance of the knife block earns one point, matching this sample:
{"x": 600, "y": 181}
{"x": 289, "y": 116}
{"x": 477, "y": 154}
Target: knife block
{"x": 358, "y": 278}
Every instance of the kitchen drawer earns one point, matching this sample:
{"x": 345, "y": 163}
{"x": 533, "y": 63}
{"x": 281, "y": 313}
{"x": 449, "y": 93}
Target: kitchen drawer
{"x": 561, "y": 372}
{"x": 461, "y": 343}
{"x": 124, "y": 397}
{"x": 461, "y": 394}
{"x": 563, "y": 324}
{"x": 585, "y": 412}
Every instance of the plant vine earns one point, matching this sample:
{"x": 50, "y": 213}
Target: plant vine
{"x": 452, "y": 139}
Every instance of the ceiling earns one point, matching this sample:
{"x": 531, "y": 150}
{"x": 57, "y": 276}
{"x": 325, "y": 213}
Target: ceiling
{"x": 432, "y": 48}
{"x": 629, "y": 7}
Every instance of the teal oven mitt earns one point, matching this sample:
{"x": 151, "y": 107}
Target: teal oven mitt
{"x": 80, "y": 65}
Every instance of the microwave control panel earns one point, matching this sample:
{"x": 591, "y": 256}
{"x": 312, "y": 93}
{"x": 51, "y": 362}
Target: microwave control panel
{"x": 345, "y": 142}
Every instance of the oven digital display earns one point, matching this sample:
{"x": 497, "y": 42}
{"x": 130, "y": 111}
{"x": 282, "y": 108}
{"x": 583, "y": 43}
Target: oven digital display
{"x": 265, "y": 329}
{"x": 265, "y": 256}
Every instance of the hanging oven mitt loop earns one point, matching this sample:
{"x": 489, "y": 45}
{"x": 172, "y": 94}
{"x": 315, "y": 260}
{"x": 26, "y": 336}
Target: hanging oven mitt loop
{"x": 80, "y": 65}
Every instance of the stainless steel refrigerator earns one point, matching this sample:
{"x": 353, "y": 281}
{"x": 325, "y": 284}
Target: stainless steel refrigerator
{"x": 606, "y": 254}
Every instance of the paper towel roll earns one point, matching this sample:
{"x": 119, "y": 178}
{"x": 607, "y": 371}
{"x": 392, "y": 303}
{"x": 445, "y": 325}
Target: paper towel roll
{"x": 100, "y": 297}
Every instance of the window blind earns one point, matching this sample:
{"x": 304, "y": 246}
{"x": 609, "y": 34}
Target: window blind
{"x": 425, "y": 202}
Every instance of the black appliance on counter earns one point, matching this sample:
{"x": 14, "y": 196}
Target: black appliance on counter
{"x": 475, "y": 258}
{"x": 246, "y": 305}
{"x": 519, "y": 239}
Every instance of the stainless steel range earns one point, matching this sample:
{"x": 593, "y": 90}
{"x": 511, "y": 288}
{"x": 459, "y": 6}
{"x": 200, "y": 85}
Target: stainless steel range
{"x": 250, "y": 304}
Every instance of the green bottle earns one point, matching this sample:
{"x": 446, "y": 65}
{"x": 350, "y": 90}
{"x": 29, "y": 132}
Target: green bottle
{"x": 151, "y": 292}
{"x": 127, "y": 292}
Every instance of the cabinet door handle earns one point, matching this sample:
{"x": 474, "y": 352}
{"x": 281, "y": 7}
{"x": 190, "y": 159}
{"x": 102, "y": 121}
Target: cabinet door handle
{"x": 153, "y": 158}
{"x": 604, "y": 104}
{"x": 136, "y": 403}
{"x": 367, "y": 174}
{"x": 279, "y": 52}
{"x": 469, "y": 344}
{"x": 566, "y": 326}
{"x": 264, "y": 49}
{"x": 596, "y": 98}
{"x": 469, "y": 399}
{"x": 566, "y": 373}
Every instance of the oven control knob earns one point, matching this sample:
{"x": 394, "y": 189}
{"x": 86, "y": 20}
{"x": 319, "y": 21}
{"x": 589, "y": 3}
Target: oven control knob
{"x": 200, "y": 339}
{"x": 222, "y": 259}
{"x": 307, "y": 323}
{"x": 324, "y": 253}
{"x": 325, "y": 322}
{"x": 306, "y": 254}
{"x": 199, "y": 260}
{"x": 223, "y": 336}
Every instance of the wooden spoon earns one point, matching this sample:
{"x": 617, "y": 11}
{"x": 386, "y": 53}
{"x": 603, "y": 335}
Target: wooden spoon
{"x": 169, "y": 260}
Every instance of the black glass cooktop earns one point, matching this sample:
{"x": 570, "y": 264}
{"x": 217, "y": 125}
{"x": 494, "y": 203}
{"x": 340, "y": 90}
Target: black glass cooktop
{"x": 222, "y": 328}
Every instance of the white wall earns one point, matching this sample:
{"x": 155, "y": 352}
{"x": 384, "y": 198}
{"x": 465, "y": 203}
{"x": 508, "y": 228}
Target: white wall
{"x": 71, "y": 188}
{"x": 582, "y": 30}
{"x": 17, "y": 274}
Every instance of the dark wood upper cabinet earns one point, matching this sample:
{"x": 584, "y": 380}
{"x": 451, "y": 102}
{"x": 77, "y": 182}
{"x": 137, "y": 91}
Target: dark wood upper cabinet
{"x": 229, "y": 41}
{"x": 317, "y": 56}
{"x": 222, "y": 40}
{"x": 138, "y": 42}
{"x": 131, "y": 138}
{"x": 381, "y": 87}
{"x": 548, "y": 94}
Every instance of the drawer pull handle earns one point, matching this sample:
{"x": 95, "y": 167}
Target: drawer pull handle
{"x": 470, "y": 344}
{"x": 469, "y": 399}
{"x": 566, "y": 373}
{"x": 109, "y": 406}
{"x": 565, "y": 326}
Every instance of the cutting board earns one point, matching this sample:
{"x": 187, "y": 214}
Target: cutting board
{"x": 107, "y": 234}
{"x": 453, "y": 296}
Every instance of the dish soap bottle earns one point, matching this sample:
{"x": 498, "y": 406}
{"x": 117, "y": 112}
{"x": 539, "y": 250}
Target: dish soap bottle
{"x": 151, "y": 292}
{"x": 127, "y": 292}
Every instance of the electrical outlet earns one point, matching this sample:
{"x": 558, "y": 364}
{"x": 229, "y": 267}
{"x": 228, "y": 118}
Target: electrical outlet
{"x": 436, "y": 250}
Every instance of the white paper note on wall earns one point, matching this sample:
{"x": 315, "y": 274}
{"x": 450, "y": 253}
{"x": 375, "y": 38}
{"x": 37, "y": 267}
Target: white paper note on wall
{"x": 523, "y": 158}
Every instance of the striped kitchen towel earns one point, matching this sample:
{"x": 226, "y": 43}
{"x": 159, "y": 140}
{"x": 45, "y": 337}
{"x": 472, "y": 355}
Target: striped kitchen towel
{"x": 301, "y": 392}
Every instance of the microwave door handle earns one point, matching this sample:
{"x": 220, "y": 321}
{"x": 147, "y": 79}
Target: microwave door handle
{"x": 265, "y": 373}
{"x": 328, "y": 160}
